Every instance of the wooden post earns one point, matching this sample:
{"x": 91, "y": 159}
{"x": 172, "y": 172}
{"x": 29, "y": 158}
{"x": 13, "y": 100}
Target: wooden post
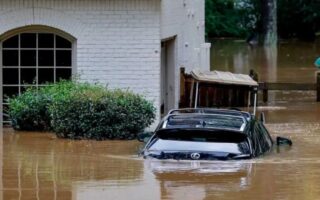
{"x": 207, "y": 97}
{"x": 318, "y": 86}
{"x": 264, "y": 87}
{"x": 191, "y": 93}
{"x": 182, "y": 101}
{"x": 249, "y": 99}
{"x": 265, "y": 95}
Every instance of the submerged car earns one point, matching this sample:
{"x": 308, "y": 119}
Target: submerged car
{"x": 209, "y": 134}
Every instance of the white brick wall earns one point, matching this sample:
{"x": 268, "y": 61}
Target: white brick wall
{"x": 117, "y": 41}
{"x": 185, "y": 19}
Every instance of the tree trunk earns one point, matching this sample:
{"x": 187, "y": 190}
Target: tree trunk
{"x": 269, "y": 22}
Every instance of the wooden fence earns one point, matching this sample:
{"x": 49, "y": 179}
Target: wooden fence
{"x": 218, "y": 95}
{"x": 265, "y": 87}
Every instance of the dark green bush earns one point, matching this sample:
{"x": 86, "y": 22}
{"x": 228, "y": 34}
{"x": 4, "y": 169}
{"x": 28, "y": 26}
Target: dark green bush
{"x": 80, "y": 110}
{"x": 98, "y": 114}
{"x": 29, "y": 111}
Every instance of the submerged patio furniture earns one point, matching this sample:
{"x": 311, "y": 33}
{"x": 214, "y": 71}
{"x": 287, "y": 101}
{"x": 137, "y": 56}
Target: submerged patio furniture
{"x": 225, "y": 89}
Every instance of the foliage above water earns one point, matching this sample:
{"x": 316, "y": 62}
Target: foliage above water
{"x": 81, "y": 110}
{"x": 239, "y": 18}
{"x": 229, "y": 18}
{"x": 298, "y": 18}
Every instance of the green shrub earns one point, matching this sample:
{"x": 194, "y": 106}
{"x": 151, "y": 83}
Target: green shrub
{"x": 81, "y": 110}
{"x": 101, "y": 115}
{"x": 29, "y": 111}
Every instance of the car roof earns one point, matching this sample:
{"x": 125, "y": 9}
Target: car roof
{"x": 232, "y": 111}
{"x": 207, "y": 118}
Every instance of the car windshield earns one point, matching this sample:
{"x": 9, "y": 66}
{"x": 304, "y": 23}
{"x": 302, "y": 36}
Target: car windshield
{"x": 205, "y": 121}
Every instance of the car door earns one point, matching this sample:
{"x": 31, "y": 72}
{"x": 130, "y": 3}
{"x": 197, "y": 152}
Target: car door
{"x": 265, "y": 140}
{"x": 261, "y": 140}
{"x": 266, "y": 135}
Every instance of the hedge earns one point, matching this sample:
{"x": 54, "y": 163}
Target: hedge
{"x": 29, "y": 111}
{"x": 82, "y": 111}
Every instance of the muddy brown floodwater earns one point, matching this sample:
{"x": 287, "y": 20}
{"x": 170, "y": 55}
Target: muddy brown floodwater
{"x": 41, "y": 166}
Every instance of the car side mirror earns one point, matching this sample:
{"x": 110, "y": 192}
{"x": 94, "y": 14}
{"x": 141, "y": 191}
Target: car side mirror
{"x": 144, "y": 137}
{"x": 283, "y": 141}
{"x": 262, "y": 118}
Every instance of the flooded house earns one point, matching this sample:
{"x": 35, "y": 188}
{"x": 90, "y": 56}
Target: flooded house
{"x": 138, "y": 45}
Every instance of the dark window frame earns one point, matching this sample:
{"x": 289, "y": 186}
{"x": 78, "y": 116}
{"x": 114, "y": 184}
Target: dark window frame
{"x": 37, "y": 48}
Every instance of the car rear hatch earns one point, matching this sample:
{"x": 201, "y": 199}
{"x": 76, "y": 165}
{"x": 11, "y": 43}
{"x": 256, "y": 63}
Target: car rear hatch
{"x": 199, "y": 144}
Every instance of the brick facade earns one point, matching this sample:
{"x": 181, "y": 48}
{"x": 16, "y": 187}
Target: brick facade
{"x": 116, "y": 42}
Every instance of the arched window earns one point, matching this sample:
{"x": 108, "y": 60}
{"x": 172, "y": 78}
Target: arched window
{"x": 34, "y": 59}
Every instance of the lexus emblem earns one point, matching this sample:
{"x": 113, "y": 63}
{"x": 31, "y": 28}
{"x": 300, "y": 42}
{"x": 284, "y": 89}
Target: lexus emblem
{"x": 195, "y": 156}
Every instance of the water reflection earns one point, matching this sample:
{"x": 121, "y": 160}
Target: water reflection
{"x": 195, "y": 179}
{"x": 168, "y": 166}
{"x": 270, "y": 63}
{"x": 289, "y": 62}
{"x": 145, "y": 188}
{"x": 39, "y": 166}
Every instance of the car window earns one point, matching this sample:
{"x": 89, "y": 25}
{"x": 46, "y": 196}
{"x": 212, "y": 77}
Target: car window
{"x": 205, "y": 121}
{"x": 173, "y": 145}
{"x": 201, "y": 135}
